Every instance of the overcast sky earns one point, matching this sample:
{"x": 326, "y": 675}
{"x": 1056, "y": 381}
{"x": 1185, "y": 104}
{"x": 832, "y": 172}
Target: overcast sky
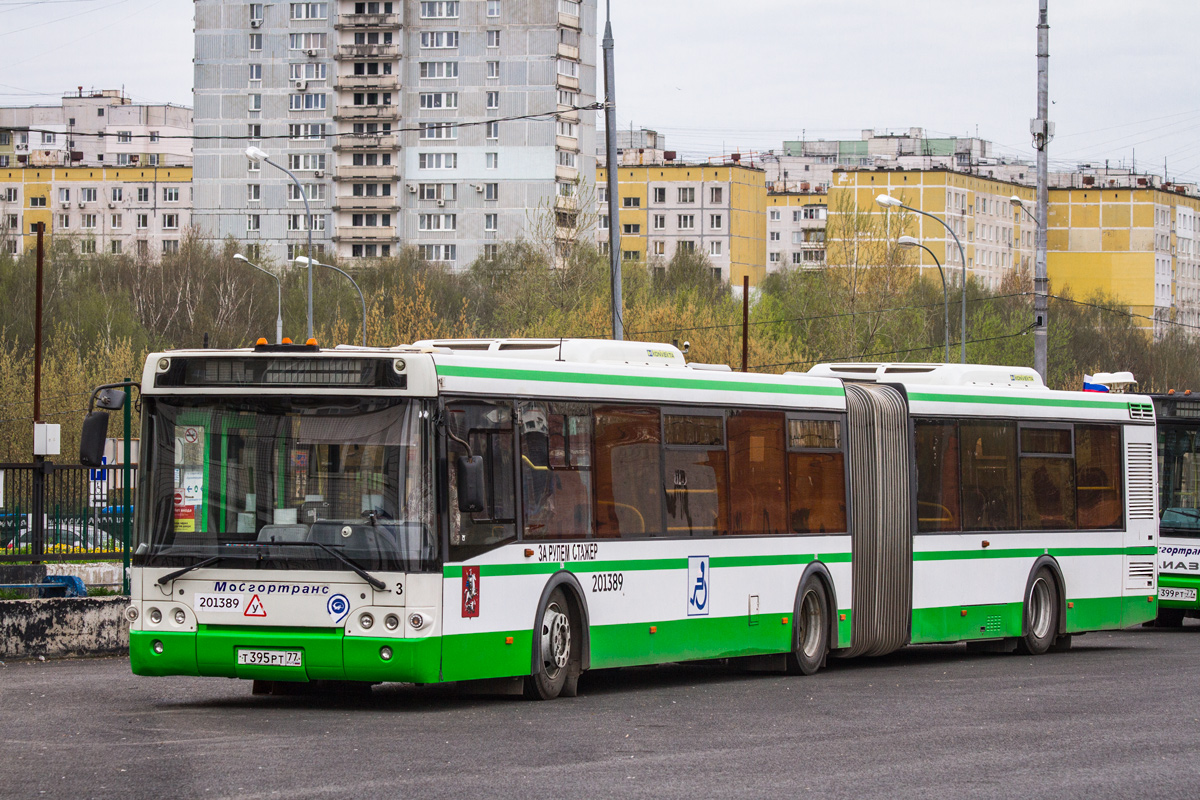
{"x": 718, "y": 76}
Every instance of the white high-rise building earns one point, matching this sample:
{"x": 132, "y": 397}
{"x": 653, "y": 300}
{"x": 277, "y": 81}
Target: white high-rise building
{"x": 445, "y": 124}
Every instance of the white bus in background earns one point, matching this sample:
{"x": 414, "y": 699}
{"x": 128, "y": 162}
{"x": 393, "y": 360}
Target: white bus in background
{"x": 532, "y": 509}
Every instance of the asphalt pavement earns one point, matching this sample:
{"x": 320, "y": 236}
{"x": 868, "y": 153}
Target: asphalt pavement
{"x": 1117, "y": 716}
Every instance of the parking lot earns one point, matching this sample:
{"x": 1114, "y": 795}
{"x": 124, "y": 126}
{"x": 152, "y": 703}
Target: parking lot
{"x": 1115, "y": 717}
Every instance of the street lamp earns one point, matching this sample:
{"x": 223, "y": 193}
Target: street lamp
{"x": 278, "y": 287}
{"x": 911, "y": 241}
{"x": 311, "y": 262}
{"x": 257, "y": 154}
{"x": 887, "y": 201}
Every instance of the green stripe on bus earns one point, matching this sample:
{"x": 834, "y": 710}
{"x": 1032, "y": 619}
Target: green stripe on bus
{"x": 1017, "y": 401}
{"x": 637, "y": 565}
{"x": 494, "y": 373}
{"x": 1029, "y": 552}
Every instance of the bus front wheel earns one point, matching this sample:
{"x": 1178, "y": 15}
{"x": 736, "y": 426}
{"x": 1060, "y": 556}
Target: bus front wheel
{"x": 556, "y": 643}
{"x": 812, "y": 629}
{"x": 1041, "y": 615}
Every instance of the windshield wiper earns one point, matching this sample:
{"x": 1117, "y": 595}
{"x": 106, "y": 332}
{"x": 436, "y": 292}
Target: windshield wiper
{"x": 165, "y": 579}
{"x": 349, "y": 562}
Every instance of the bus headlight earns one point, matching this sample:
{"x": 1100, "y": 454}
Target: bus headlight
{"x": 180, "y": 617}
{"x": 365, "y": 621}
{"x": 385, "y": 653}
{"x": 157, "y": 647}
{"x": 155, "y": 616}
{"x": 417, "y": 621}
{"x": 391, "y": 622}
{"x": 131, "y": 613}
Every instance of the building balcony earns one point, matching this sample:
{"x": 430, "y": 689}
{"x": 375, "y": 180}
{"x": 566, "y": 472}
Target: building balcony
{"x": 387, "y": 113}
{"x": 385, "y": 173}
{"x": 566, "y": 173}
{"x": 568, "y": 51}
{"x": 368, "y": 82}
{"x": 567, "y": 143}
{"x": 566, "y": 203}
{"x": 567, "y": 82}
{"x": 366, "y": 141}
{"x": 389, "y": 22}
{"x": 570, "y": 21}
{"x": 364, "y": 234}
{"x": 348, "y": 51}
{"x": 567, "y": 114}
{"x": 384, "y": 203}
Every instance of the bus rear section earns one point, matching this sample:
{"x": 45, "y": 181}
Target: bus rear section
{"x": 1178, "y": 417}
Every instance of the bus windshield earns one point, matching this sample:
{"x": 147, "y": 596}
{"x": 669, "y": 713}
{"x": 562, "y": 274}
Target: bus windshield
{"x": 1179, "y": 479}
{"x": 287, "y": 483}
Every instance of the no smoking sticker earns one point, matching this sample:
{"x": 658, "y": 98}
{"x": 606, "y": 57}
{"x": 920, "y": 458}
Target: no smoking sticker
{"x": 191, "y": 436}
{"x": 255, "y": 609}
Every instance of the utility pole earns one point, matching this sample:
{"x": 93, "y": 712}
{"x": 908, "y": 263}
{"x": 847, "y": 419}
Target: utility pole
{"x": 37, "y": 527}
{"x": 610, "y": 149}
{"x": 1043, "y": 132}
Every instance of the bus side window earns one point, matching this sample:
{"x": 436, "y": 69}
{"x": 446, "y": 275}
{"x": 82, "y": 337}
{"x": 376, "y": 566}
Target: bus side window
{"x": 1098, "y": 476}
{"x": 816, "y": 476}
{"x": 937, "y": 475}
{"x": 487, "y": 427}
{"x": 758, "y": 472}
{"x": 695, "y": 478}
{"x": 1047, "y": 478}
{"x": 988, "y": 452}
{"x": 556, "y": 476}
{"x": 628, "y": 455}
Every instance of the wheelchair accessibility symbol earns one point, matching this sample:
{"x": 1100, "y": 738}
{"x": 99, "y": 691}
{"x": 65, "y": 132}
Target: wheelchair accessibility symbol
{"x": 698, "y": 586}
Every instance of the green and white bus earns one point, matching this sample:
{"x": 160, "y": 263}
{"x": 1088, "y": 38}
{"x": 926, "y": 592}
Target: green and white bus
{"x": 531, "y": 509}
{"x": 1178, "y": 418}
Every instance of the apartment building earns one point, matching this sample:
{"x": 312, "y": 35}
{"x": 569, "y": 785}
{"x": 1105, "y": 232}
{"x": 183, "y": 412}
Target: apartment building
{"x": 1137, "y": 243}
{"x": 142, "y": 211}
{"x": 448, "y": 124}
{"x": 718, "y": 210}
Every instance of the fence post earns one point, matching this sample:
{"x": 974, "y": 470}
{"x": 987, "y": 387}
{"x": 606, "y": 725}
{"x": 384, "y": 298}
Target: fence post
{"x": 126, "y": 493}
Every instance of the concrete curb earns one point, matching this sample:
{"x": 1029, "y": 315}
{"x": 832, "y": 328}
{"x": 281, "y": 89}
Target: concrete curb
{"x": 63, "y": 627}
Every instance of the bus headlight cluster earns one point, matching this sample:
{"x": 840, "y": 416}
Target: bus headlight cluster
{"x": 155, "y": 616}
{"x": 180, "y": 617}
{"x": 131, "y": 613}
{"x": 391, "y": 622}
{"x": 365, "y": 621}
{"x": 417, "y": 621}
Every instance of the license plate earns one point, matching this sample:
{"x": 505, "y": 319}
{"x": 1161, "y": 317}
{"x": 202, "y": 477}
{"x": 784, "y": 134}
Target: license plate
{"x": 269, "y": 658}
{"x": 1171, "y": 593}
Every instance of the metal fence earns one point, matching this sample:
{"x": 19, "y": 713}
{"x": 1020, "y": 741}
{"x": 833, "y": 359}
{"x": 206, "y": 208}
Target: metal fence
{"x": 84, "y": 512}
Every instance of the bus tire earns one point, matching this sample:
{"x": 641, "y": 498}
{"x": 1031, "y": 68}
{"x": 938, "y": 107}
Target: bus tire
{"x": 810, "y": 645}
{"x": 1039, "y": 627}
{"x": 556, "y": 642}
{"x": 1169, "y": 618}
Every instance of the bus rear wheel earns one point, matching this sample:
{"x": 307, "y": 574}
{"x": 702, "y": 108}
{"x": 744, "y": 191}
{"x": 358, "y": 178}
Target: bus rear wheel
{"x": 1041, "y": 615}
{"x": 556, "y": 645}
{"x": 811, "y": 643}
{"x": 1169, "y": 618}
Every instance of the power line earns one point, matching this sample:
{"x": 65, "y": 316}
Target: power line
{"x": 863, "y": 356}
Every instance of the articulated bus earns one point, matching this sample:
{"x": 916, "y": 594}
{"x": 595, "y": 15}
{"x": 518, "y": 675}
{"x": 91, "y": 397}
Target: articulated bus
{"x": 527, "y": 510}
{"x": 1178, "y": 418}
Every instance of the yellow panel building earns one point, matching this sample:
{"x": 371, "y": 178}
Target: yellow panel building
{"x": 135, "y": 210}
{"x": 718, "y": 210}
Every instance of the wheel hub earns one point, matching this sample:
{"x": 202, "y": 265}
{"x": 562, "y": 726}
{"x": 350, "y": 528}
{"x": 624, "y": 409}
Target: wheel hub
{"x": 556, "y": 638}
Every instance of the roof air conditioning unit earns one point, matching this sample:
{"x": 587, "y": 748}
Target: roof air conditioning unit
{"x": 256, "y": 23}
{"x": 310, "y": 52}
{"x": 441, "y": 202}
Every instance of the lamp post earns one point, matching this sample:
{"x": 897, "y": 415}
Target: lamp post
{"x": 887, "y": 201}
{"x": 911, "y": 241}
{"x": 279, "y": 289}
{"x": 312, "y": 262}
{"x": 256, "y": 154}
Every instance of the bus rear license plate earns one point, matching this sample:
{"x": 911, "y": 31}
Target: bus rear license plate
{"x": 1171, "y": 593}
{"x": 269, "y": 658}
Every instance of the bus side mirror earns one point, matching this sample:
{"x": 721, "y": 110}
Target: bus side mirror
{"x": 470, "y": 484}
{"x": 92, "y": 438}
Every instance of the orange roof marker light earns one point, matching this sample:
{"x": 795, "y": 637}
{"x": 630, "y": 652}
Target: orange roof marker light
{"x": 312, "y": 342}
{"x": 261, "y": 341}
{"x": 286, "y": 340}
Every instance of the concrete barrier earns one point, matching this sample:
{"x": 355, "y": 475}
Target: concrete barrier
{"x": 57, "y": 628}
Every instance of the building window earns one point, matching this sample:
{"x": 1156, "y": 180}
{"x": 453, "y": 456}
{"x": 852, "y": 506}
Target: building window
{"x": 493, "y": 38}
{"x": 143, "y": 194}
{"x": 87, "y": 195}
{"x": 254, "y": 129}
{"x": 493, "y": 69}
{"x": 114, "y": 247}
{"x": 118, "y": 193}
{"x": 64, "y": 195}
{"x": 4, "y": 161}
{"x": 306, "y": 41}
{"x": 686, "y": 246}
{"x": 773, "y": 215}
{"x": 440, "y": 9}
{"x": 438, "y": 252}
{"x": 631, "y": 202}
{"x": 309, "y": 11}
{"x": 687, "y": 195}
{"x": 302, "y": 131}
{"x": 124, "y": 137}
{"x": 631, "y": 229}
{"x": 170, "y": 222}
{"x": 439, "y": 130}
{"x": 87, "y": 246}
{"x": 569, "y": 129}
{"x": 490, "y": 251}
{"x": 570, "y": 7}
{"x": 255, "y": 72}
{"x": 660, "y": 194}
{"x": 660, "y": 221}
{"x": 568, "y": 98}
{"x": 254, "y": 102}
{"x": 170, "y": 246}
{"x": 773, "y": 236}
{"x": 253, "y": 222}
{"x": 87, "y": 221}
{"x": 492, "y": 160}
{"x": 255, "y": 41}
{"x": 603, "y": 223}
{"x": 491, "y": 191}
{"x": 493, "y": 130}
{"x": 773, "y": 258}
{"x": 171, "y": 194}
{"x": 114, "y": 221}
{"x": 437, "y": 161}
{"x": 314, "y": 191}
{"x": 37, "y": 202}
{"x": 687, "y": 222}
{"x": 493, "y": 100}
{"x": 715, "y": 221}
{"x": 306, "y": 102}
{"x": 307, "y": 71}
{"x": 566, "y": 158}
{"x": 64, "y": 221}
{"x": 568, "y": 68}
{"x": 439, "y": 40}
{"x": 630, "y": 255}
{"x": 306, "y": 162}
{"x": 143, "y": 221}
{"x": 437, "y": 222}
{"x": 439, "y": 99}
{"x": 714, "y": 248}
{"x": 490, "y": 222}
{"x": 256, "y": 13}
{"x": 493, "y": 8}
{"x": 439, "y": 69}
{"x": 296, "y": 222}
{"x": 716, "y": 193}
